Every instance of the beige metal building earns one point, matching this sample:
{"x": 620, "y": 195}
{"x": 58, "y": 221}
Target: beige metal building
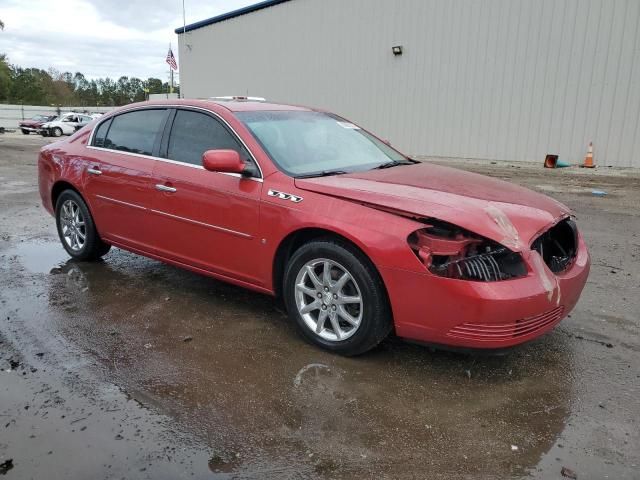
{"x": 492, "y": 79}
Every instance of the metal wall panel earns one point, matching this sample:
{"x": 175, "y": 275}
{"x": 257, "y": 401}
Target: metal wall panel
{"x": 495, "y": 79}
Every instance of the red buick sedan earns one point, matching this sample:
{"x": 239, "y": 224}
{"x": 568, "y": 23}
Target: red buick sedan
{"x": 356, "y": 238}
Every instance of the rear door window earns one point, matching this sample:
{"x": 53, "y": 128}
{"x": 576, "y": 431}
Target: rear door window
{"x": 193, "y": 133}
{"x": 135, "y": 132}
{"x": 101, "y": 133}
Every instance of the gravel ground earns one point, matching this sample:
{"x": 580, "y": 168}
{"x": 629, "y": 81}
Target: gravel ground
{"x": 129, "y": 368}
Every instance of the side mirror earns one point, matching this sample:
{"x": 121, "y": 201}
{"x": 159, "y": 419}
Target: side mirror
{"x": 224, "y": 161}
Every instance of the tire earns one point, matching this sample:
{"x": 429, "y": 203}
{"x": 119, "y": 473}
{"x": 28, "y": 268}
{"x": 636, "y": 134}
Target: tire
{"x": 73, "y": 221}
{"x": 369, "y": 319}
{"x": 25, "y": 132}
{"x": 56, "y": 132}
{"x": 44, "y": 132}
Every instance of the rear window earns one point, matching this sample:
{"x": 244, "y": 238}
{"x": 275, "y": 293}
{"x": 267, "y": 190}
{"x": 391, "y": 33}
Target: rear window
{"x": 135, "y": 132}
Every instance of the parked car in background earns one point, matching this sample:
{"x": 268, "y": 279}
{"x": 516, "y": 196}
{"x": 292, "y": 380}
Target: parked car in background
{"x": 66, "y": 124}
{"x": 358, "y": 239}
{"x": 34, "y": 124}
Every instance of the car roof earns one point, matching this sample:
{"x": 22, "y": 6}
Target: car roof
{"x": 231, "y": 105}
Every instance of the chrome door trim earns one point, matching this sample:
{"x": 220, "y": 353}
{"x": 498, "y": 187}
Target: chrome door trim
{"x": 120, "y": 202}
{"x": 202, "y": 224}
{"x": 140, "y": 155}
{"x": 174, "y": 162}
{"x": 176, "y": 217}
{"x": 217, "y": 115}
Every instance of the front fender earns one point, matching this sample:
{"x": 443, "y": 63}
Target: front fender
{"x": 382, "y": 236}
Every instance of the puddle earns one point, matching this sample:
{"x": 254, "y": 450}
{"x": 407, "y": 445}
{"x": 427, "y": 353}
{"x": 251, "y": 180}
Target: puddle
{"x": 38, "y": 257}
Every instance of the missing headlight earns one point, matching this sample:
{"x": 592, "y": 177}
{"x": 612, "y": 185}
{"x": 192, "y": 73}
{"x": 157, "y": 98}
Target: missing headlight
{"x": 451, "y": 252}
{"x": 558, "y": 245}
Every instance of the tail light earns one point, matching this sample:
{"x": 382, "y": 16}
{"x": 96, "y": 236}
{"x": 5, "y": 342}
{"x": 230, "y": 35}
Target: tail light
{"x": 451, "y": 252}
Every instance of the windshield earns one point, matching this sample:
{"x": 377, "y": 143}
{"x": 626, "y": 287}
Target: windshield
{"x": 305, "y": 143}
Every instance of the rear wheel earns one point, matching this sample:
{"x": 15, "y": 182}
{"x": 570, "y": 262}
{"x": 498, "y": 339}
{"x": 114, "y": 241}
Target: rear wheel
{"x": 336, "y": 297}
{"x": 76, "y": 229}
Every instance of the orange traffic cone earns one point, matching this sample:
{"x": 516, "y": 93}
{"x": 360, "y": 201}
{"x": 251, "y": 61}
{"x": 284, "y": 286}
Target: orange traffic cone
{"x": 588, "y": 160}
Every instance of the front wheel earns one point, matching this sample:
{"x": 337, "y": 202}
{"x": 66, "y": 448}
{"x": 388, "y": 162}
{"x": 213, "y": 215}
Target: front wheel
{"x": 25, "y": 132}
{"x": 336, "y": 297}
{"x": 76, "y": 229}
{"x": 56, "y": 132}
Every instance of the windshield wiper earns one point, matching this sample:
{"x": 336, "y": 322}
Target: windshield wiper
{"x": 324, "y": 173}
{"x": 395, "y": 163}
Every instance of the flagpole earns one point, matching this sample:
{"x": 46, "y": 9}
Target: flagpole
{"x": 184, "y": 30}
{"x": 170, "y": 75}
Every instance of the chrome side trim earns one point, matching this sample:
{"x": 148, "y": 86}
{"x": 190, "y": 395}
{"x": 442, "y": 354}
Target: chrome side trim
{"x": 94, "y": 171}
{"x": 120, "y": 202}
{"x": 176, "y": 217}
{"x": 202, "y": 224}
{"x": 217, "y": 115}
{"x": 174, "y": 162}
{"x": 120, "y": 152}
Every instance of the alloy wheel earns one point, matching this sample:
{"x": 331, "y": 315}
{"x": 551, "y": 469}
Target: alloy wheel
{"x": 73, "y": 225}
{"x": 328, "y": 299}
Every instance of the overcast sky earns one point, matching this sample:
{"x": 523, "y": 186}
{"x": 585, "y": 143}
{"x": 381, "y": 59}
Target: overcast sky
{"x": 100, "y": 37}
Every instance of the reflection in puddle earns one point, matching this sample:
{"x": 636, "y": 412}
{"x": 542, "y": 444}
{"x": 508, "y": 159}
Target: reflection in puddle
{"x": 265, "y": 401}
{"x": 38, "y": 257}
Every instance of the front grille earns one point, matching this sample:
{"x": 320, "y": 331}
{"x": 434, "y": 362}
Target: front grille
{"x": 505, "y": 331}
{"x": 558, "y": 245}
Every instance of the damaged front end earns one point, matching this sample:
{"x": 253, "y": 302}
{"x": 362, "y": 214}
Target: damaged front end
{"x": 452, "y": 252}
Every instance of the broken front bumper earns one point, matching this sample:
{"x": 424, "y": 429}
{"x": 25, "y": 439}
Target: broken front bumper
{"x": 487, "y": 315}
{"x": 30, "y": 129}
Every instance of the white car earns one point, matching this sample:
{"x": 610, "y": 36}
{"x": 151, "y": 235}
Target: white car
{"x": 65, "y": 124}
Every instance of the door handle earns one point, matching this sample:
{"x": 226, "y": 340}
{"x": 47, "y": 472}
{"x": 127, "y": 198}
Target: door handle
{"x": 165, "y": 188}
{"x": 94, "y": 171}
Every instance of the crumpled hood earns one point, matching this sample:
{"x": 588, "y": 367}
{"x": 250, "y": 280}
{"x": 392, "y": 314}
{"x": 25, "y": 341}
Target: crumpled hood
{"x": 501, "y": 211}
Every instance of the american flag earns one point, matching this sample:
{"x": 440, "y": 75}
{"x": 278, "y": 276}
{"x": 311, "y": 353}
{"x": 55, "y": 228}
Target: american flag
{"x": 171, "y": 60}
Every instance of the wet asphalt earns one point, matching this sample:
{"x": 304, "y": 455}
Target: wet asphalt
{"x": 129, "y": 368}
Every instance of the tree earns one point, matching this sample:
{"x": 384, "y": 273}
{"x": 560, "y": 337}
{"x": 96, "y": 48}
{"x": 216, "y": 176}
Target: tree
{"x": 30, "y": 86}
{"x": 5, "y": 78}
{"x": 154, "y": 85}
{"x": 64, "y": 89}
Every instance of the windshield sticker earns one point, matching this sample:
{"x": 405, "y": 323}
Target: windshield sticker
{"x": 348, "y": 125}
